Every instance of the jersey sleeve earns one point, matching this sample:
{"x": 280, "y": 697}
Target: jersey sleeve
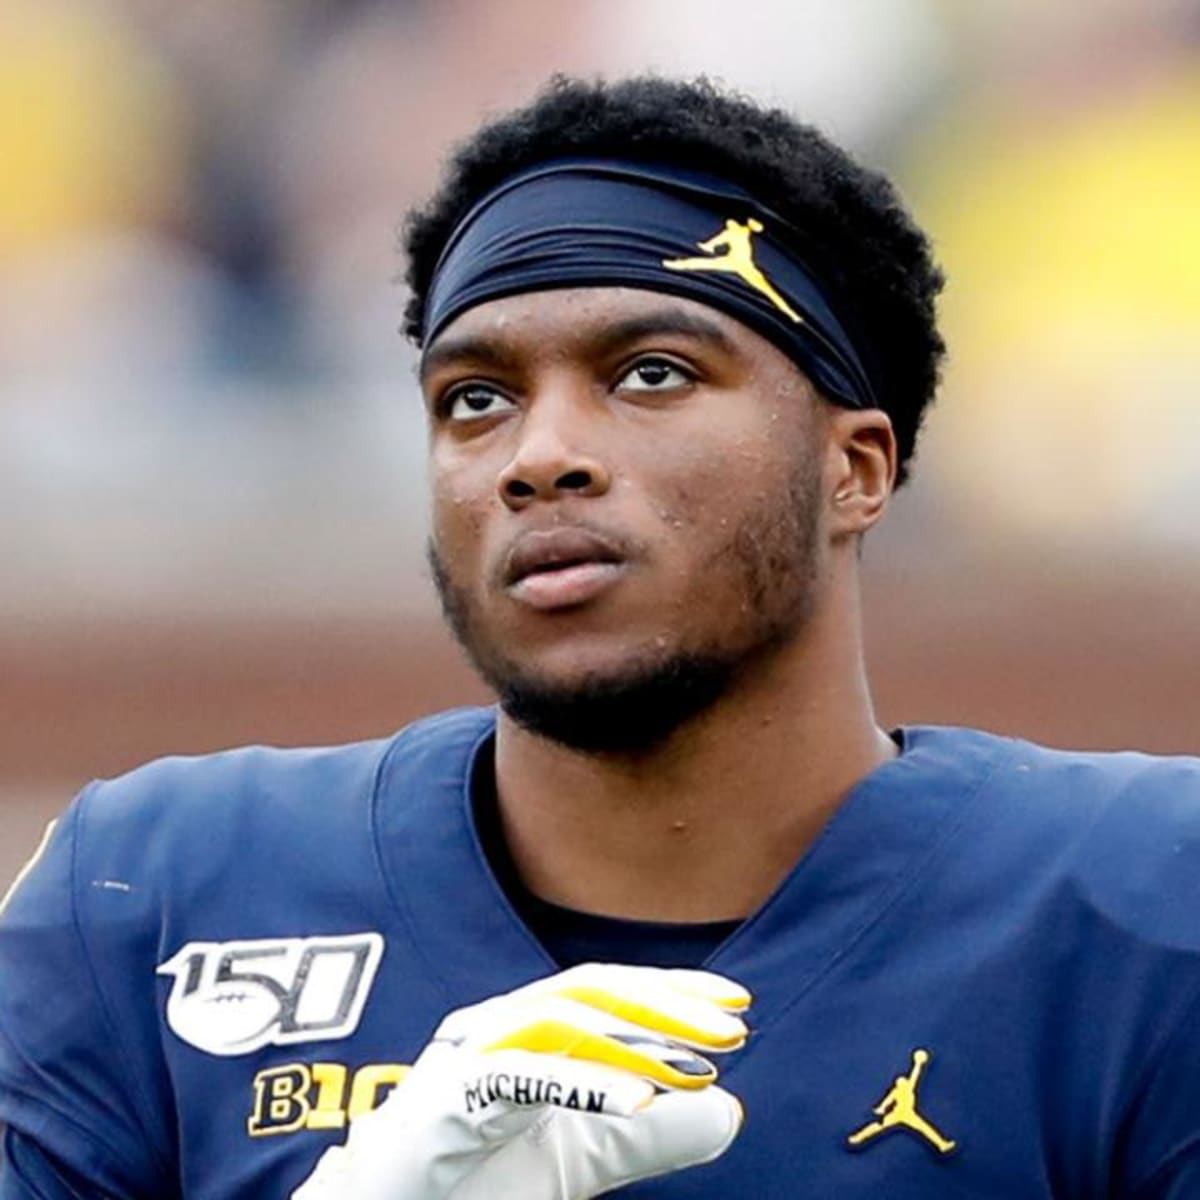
{"x": 66, "y": 1086}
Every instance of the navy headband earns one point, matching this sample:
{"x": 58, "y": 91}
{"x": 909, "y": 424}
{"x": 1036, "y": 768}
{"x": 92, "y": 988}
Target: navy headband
{"x": 588, "y": 222}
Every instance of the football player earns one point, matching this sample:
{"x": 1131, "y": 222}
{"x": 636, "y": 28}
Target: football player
{"x": 677, "y": 918}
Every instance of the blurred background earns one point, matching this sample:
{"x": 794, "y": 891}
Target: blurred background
{"x": 211, "y": 448}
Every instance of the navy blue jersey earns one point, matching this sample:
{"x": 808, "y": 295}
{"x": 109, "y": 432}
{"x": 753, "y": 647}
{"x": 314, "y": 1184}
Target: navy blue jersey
{"x": 982, "y": 980}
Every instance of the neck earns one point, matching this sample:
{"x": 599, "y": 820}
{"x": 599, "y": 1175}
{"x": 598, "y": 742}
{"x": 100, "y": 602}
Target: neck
{"x": 736, "y": 796}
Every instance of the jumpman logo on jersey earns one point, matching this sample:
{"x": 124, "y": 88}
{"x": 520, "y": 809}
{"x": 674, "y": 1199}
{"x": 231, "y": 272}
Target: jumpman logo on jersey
{"x": 738, "y": 260}
{"x": 898, "y": 1110}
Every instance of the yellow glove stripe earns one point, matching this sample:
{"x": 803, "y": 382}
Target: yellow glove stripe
{"x": 736, "y": 1000}
{"x": 559, "y": 1037}
{"x": 651, "y": 1018}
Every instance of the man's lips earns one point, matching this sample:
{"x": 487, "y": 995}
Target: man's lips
{"x": 558, "y": 568}
{"x": 542, "y": 550}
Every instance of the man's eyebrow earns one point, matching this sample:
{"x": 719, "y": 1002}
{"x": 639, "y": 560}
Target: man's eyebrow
{"x": 485, "y": 351}
{"x": 468, "y": 348}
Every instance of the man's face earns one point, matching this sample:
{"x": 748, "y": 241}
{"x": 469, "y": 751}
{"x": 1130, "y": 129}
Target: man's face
{"x": 627, "y": 500}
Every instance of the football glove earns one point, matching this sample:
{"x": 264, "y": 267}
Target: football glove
{"x": 561, "y": 1090}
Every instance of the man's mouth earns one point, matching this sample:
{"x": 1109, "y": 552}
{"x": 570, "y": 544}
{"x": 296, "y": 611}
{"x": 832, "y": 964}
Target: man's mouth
{"x": 561, "y": 568}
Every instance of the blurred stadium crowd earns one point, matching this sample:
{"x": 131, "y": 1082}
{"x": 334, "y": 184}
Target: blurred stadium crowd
{"x": 205, "y": 408}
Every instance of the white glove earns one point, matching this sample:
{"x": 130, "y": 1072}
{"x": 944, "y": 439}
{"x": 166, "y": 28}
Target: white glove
{"x": 561, "y": 1090}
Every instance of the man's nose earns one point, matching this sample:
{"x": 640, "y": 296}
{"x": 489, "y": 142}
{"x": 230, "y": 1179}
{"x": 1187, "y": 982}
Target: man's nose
{"x": 551, "y": 459}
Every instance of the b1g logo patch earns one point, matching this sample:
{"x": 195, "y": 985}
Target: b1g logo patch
{"x": 233, "y": 997}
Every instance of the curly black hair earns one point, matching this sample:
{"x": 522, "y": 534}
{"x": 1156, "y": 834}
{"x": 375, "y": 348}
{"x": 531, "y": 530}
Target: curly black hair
{"x": 870, "y": 251}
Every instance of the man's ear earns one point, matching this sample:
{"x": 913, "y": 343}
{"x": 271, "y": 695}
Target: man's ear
{"x": 861, "y": 468}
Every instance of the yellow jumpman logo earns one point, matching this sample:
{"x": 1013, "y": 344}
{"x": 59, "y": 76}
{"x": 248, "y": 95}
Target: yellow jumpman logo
{"x": 898, "y": 1110}
{"x": 738, "y": 259}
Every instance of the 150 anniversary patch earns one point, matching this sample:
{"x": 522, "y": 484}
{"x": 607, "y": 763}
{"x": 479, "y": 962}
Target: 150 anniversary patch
{"x": 233, "y": 997}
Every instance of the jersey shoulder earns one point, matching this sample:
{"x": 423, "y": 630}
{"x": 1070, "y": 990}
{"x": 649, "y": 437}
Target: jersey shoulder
{"x": 184, "y": 813}
{"x": 1135, "y": 820}
{"x": 1121, "y": 829}
{"x": 245, "y": 834}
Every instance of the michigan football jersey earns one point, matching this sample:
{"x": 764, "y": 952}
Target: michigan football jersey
{"x": 982, "y": 980}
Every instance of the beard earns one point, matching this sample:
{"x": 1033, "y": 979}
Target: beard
{"x": 636, "y": 707}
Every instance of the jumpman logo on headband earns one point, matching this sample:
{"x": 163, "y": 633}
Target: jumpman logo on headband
{"x": 898, "y": 1110}
{"x": 738, "y": 260}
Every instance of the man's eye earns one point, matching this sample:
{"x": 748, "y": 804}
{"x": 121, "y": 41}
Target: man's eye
{"x": 654, "y": 375}
{"x": 471, "y": 402}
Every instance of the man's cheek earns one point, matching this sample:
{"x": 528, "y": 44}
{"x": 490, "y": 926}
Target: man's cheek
{"x": 687, "y": 500}
{"x": 457, "y": 523}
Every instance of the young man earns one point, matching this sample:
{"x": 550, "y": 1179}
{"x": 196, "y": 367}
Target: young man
{"x": 675, "y": 355}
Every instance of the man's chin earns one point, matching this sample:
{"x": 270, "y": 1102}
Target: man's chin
{"x": 596, "y": 694}
{"x": 630, "y": 712}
